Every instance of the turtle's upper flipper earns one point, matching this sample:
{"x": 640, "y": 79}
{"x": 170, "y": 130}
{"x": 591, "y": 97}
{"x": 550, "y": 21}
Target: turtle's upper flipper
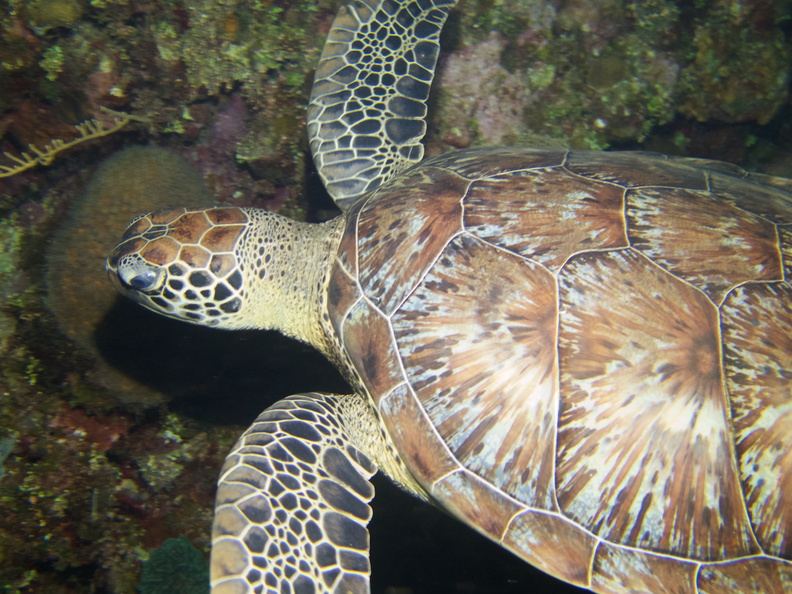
{"x": 293, "y": 502}
{"x": 367, "y": 112}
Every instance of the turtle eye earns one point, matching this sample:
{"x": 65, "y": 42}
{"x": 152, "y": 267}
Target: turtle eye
{"x": 143, "y": 281}
{"x": 138, "y": 275}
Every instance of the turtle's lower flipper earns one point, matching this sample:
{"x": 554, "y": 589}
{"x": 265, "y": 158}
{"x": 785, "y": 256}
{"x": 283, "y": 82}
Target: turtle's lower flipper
{"x": 293, "y": 502}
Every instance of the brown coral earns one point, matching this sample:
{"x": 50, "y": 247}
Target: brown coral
{"x": 138, "y": 179}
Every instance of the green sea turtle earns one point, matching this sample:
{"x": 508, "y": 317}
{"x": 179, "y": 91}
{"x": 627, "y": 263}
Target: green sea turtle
{"x": 585, "y": 356}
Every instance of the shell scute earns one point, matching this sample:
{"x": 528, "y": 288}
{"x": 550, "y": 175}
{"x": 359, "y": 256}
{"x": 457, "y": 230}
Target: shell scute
{"x": 403, "y": 228}
{"x": 419, "y": 445}
{"x": 473, "y": 500}
{"x": 785, "y": 238}
{"x": 348, "y": 249}
{"x": 479, "y": 414}
{"x": 732, "y": 245}
{"x": 645, "y": 445}
{"x": 766, "y": 201}
{"x": 546, "y": 214}
{"x": 342, "y": 293}
{"x": 757, "y": 328}
{"x": 600, "y": 338}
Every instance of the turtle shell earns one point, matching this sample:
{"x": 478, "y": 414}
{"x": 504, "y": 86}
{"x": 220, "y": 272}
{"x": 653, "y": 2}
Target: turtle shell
{"x": 587, "y": 357}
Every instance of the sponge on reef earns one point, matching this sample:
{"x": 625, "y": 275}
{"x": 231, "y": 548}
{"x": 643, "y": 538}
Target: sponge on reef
{"x": 177, "y": 567}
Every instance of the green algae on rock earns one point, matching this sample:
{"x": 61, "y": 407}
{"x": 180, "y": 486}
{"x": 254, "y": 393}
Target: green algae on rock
{"x": 138, "y": 179}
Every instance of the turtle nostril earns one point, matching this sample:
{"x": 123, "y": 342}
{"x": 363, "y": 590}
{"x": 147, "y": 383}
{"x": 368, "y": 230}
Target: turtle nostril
{"x": 143, "y": 281}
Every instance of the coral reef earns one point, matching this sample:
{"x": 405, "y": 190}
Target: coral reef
{"x": 597, "y": 74}
{"x": 78, "y": 513}
{"x": 118, "y": 420}
{"x": 740, "y": 68}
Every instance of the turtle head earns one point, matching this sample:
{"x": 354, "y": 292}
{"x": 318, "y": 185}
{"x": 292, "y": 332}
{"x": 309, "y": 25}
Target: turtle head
{"x": 184, "y": 263}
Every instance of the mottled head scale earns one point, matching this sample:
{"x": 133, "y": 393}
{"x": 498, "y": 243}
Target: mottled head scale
{"x": 182, "y": 263}
{"x": 585, "y": 356}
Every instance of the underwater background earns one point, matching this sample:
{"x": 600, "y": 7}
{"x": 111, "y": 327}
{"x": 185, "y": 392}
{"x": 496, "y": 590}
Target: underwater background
{"x": 114, "y": 422}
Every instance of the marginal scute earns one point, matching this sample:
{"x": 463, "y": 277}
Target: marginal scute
{"x": 619, "y": 569}
{"x": 785, "y": 236}
{"x": 477, "y": 503}
{"x": 757, "y": 338}
{"x": 367, "y": 337}
{"x": 425, "y": 454}
{"x": 342, "y": 293}
{"x": 636, "y": 169}
{"x": 645, "y": 451}
{"x": 553, "y": 544}
{"x": 759, "y": 574}
{"x": 490, "y": 162}
{"x": 762, "y": 200}
{"x": 348, "y": 249}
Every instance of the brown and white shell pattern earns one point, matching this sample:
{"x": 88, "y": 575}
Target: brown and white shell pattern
{"x": 587, "y": 357}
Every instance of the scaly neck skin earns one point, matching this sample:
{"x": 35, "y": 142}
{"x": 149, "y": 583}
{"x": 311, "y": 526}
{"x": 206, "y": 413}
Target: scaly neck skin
{"x": 290, "y": 296}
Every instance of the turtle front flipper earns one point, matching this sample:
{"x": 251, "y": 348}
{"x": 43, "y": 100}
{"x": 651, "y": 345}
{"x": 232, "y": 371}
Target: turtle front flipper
{"x": 367, "y": 112}
{"x": 293, "y": 502}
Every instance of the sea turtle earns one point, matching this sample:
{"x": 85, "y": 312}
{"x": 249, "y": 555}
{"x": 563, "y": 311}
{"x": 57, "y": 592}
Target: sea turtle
{"x": 585, "y": 356}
